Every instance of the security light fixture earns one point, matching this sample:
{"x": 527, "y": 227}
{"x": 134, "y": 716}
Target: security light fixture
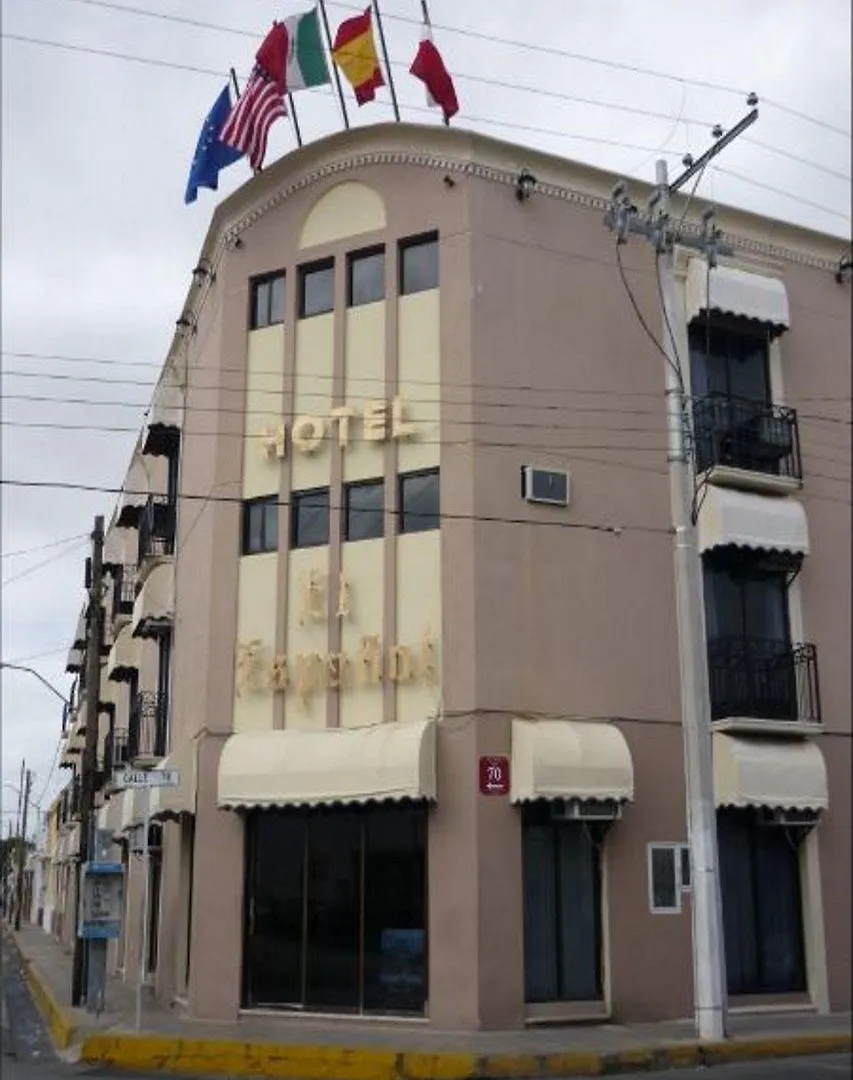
{"x": 524, "y": 185}
{"x": 845, "y": 269}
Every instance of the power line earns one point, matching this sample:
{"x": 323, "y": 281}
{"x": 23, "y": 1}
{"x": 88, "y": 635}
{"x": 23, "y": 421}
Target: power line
{"x": 796, "y": 157}
{"x": 37, "y": 656}
{"x": 39, "y": 566}
{"x": 785, "y": 194}
{"x": 42, "y": 547}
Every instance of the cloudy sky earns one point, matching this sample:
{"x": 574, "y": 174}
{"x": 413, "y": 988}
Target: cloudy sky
{"x": 102, "y": 104}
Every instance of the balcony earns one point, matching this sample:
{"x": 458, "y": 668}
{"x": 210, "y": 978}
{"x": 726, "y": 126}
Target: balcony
{"x": 124, "y": 592}
{"x": 156, "y": 530}
{"x": 758, "y": 684}
{"x": 747, "y": 442}
{"x": 149, "y": 719}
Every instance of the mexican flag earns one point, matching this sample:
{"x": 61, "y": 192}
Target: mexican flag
{"x": 306, "y": 61}
{"x": 292, "y": 53}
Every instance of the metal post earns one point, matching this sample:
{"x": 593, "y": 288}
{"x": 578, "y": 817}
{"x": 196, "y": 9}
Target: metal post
{"x": 321, "y": 5}
{"x": 708, "y": 945}
{"x": 22, "y": 849}
{"x": 143, "y": 957}
{"x": 387, "y": 61}
{"x": 294, "y": 119}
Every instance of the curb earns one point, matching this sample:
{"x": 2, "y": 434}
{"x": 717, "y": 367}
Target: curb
{"x": 62, "y": 1030}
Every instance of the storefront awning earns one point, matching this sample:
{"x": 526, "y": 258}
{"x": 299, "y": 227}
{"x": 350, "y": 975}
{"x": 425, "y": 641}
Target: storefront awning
{"x": 736, "y": 292}
{"x": 164, "y": 418}
{"x": 124, "y": 656}
{"x": 564, "y": 759}
{"x": 134, "y": 495}
{"x": 154, "y": 607}
{"x": 763, "y": 522}
{"x": 172, "y": 803}
{"x": 339, "y": 765}
{"x": 759, "y": 770}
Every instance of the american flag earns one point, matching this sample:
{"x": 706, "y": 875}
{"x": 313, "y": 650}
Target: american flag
{"x": 251, "y": 118}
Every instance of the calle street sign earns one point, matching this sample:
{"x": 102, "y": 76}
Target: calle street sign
{"x": 151, "y": 778}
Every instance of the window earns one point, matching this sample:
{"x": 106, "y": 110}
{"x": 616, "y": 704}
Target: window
{"x": 762, "y": 909}
{"x": 669, "y": 877}
{"x": 419, "y": 501}
{"x": 418, "y": 264}
{"x": 728, "y": 361}
{"x": 260, "y": 525}
{"x": 316, "y": 289}
{"x": 561, "y": 864}
{"x": 309, "y": 518}
{"x": 267, "y": 301}
{"x": 366, "y": 280}
{"x": 364, "y": 510}
{"x": 336, "y": 909}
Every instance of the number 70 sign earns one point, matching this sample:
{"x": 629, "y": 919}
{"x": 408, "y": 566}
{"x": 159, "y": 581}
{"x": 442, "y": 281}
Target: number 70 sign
{"x": 494, "y": 776}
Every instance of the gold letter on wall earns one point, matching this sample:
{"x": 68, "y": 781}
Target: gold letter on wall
{"x": 376, "y": 421}
{"x": 342, "y": 414}
{"x": 308, "y": 433}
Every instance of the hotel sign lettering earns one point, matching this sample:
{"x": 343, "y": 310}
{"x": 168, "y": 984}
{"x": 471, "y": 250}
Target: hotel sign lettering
{"x": 379, "y": 422}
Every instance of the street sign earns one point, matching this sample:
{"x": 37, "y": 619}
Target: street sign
{"x": 494, "y": 776}
{"x": 151, "y": 778}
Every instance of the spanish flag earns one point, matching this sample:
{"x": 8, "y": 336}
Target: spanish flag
{"x": 354, "y": 52}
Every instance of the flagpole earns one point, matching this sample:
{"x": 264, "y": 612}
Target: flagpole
{"x": 235, "y": 83}
{"x": 425, "y": 12}
{"x": 341, "y": 102}
{"x": 291, "y": 108}
{"x": 387, "y": 61}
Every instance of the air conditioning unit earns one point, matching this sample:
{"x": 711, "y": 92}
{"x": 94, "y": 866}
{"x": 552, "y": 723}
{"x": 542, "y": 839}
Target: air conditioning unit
{"x": 545, "y": 486}
{"x": 586, "y": 810}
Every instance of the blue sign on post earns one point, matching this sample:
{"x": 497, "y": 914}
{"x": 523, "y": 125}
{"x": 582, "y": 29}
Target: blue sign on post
{"x": 102, "y": 900}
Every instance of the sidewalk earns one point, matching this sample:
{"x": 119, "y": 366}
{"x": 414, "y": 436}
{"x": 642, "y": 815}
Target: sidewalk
{"x": 300, "y": 1048}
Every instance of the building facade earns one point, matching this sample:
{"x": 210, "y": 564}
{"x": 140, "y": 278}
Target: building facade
{"x": 392, "y": 589}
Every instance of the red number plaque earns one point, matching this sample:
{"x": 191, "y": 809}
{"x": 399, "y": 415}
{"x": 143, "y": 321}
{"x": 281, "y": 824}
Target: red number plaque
{"x": 494, "y": 776}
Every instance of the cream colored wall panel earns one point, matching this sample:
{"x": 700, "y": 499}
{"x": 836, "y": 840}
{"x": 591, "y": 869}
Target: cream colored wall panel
{"x": 419, "y": 620}
{"x": 264, "y": 373}
{"x": 365, "y": 381}
{"x": 419, "y": 374}
{"x": 347, "y": 210}
{"x": 363, "y": 565}
{"x": 307, "y": 636}
{"x": 313, "y": 397}
{"x": 257, "y": 593}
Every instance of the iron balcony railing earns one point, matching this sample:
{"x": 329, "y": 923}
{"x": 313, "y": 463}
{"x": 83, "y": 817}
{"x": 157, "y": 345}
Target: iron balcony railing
{"x": 149, "y": 718}
{"x": 157, "y": 528}
{"x": 764, "y": 679}
{"x": 745, "y": 434}
{"x": 116, "y": 752}
{"x": 124, "y": 589}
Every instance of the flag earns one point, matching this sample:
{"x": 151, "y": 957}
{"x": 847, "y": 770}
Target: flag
{"x": 272, "y": 55}
{"x": 428, "y": 66}
{"x": 354, "y": 52}
{"x": 249, "y": 122}
{"x": 306, "y": 63}
{"x": 211, "y": 155}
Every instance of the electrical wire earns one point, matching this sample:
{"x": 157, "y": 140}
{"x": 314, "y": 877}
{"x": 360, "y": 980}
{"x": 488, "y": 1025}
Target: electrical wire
{"x": 39, "y": 566}
{"x": 42, "y": 547}
{"x": 679, "y": 370}
{"x": 785, "y": 194}
{"x": 642, "y": 320}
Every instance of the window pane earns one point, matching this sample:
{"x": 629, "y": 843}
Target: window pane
{"x": 394, "y": 909}
{"x": 260, "y": 526}
{"x": 780, "y": 937}
{"x": 664, "y": 891}
{"x": 318, "y": 290}
{"x": 260, "y": 304}
{"x": 333, "y": 901}
{"x": 367, "y": 278}
{"x": 419, "y": 266}
{"x": 579, "y": 908}
{"x": 364, "y": 511}
{"x": 276, "y": 301}
{"x": 419, "y": 502}
{"x": 540, "y": 914}
{"x": 310, "y": 518}
{"x": 270, "y": 527}
{"x": 274, "y": 908}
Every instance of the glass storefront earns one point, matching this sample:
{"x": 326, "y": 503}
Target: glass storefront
{"x": 336, "y": 909}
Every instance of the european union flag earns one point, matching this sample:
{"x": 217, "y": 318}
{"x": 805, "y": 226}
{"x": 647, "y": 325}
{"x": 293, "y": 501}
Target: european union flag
{"x": 210, "y": 154}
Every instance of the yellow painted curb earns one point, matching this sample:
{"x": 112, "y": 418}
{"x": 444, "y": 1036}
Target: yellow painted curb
{"x": 437, "y": 1066}
{"x": 775, "y": 1047}
{"x": 58, "y": 1024}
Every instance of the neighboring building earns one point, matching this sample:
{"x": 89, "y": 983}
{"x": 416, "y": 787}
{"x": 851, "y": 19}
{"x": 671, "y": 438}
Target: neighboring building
{"x": 338, "y": 589}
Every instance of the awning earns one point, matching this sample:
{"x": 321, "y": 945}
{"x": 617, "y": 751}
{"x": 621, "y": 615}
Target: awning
{"x": 132, "y": 809}
{"x": 763, "y": 522}
{"x": 134, "y": 495}
{"x": 339, "y": 765}
{"x": 154, "y": 608}
{"x": 75, "y": 660}
{"x": 736, "y": 292}
{"x": 564, "y": 759}
{"x": 124, "y": 656}
{"x": 164, "y": 419}
{"x": 81, "y": 630}
{"x": 761, "y": 770}
{"x": 116, "y": 541}
{"x": 172, "y": 803}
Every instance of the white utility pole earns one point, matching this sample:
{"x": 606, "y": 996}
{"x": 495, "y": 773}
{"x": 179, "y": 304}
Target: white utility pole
{"x": 708, "y": 942}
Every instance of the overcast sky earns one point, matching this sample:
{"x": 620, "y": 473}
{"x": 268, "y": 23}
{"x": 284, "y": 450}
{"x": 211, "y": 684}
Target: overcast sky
{"x": 97, "y": 245}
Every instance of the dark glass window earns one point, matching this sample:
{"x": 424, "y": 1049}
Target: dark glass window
{"x": 419, "y": 501}
{"x": 309, "y": 518}
{"x": 267, "y": 301}
{"x": 418, "y": 264}
{"x": 762, "y": 913}
{"x": 729, "y": 363}
{"x": 336, "y": 909}
{"x": 316, "y": 289}
{"x": 364, "y": 510}
{"x": 260, "y": 525}
{"x": 366, "y": 282}
{"x": 745, "y": 598}
{"x": 562, "y": 908}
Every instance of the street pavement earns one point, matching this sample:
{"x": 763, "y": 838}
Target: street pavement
{"x": 27, "y": 1053}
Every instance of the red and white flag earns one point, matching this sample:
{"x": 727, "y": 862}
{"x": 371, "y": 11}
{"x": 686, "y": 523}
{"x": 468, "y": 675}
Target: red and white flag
{"x": 428, "y": 66}
{"x": 254, "y": 113}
